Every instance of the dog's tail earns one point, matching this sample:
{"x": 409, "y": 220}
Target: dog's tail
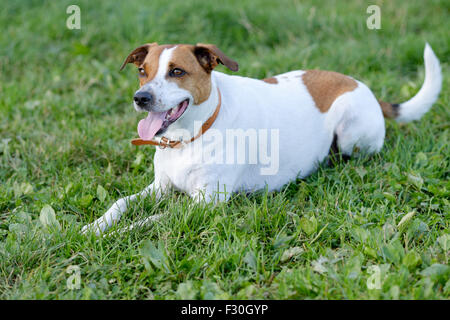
{"x": 418, "y": 105}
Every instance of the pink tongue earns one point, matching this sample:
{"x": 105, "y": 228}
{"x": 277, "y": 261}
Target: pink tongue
{"x": 148, "y": 127}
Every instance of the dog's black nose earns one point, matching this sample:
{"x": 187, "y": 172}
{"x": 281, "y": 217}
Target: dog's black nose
{"x": 143, "y": 99}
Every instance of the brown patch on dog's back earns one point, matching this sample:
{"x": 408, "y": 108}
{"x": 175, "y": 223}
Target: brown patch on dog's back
{"x": 197, "y": 81}
{"x": 326, "y": 86}
{"x": 271, "y": 80}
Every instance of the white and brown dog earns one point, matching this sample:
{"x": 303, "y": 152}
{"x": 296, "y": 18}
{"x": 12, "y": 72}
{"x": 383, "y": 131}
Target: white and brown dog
{"x": 191, "y": 108}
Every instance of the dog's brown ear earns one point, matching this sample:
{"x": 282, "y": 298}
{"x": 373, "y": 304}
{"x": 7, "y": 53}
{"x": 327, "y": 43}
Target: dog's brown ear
{"x": 209, "y": 56}
{"x": 138, "y": 55}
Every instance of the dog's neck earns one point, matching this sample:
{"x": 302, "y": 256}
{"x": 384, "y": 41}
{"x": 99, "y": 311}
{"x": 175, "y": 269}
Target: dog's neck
{"x": 190, "y": 123}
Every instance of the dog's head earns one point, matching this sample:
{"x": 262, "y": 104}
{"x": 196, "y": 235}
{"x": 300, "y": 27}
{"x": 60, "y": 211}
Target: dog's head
{"x": 173, "y": 78}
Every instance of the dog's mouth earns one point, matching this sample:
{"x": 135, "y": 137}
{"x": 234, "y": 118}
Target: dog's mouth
{"x": 158, "y": 122}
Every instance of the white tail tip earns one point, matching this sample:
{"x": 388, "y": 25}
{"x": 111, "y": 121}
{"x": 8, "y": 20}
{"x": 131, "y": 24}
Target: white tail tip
{"x": 418, "y": 105}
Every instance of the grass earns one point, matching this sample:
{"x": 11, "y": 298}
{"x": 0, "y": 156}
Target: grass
{"x": 66, "y": 121}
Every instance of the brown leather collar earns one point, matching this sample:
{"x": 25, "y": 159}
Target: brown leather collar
{"x": 164, "y": 142}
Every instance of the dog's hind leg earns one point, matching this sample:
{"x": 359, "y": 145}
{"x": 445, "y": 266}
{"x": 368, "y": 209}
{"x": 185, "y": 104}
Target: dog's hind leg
{"x": 335, "y": 155}
{"x": 358, "y": 122}
{"x": 118, "y": 208}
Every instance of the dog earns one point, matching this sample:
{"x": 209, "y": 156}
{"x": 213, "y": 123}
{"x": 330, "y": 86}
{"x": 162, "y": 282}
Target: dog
{"x": 191, "y": 108}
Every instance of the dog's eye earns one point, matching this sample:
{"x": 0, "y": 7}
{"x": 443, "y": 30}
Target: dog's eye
{"x": 141, "y": 72}
{"x": 177, "y": 72}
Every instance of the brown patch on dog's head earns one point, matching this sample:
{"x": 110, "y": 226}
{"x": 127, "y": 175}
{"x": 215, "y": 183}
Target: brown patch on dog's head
{"x": 138, "y": 55}
{"x": 209, "y": 56}
{"x": 271, "y": 80}
{"x": 326, "y": 86}
{"x": 146, "y": 58}
{"x": 197, "y": 62}
{"x": 195, "y": 78}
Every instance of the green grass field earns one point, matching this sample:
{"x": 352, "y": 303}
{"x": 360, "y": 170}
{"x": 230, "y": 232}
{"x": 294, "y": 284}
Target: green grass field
{"x": 66, "y": 121}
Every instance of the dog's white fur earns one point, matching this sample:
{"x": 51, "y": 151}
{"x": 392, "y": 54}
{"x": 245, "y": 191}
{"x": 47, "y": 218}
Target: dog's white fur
{"x": 305, "y": 133}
